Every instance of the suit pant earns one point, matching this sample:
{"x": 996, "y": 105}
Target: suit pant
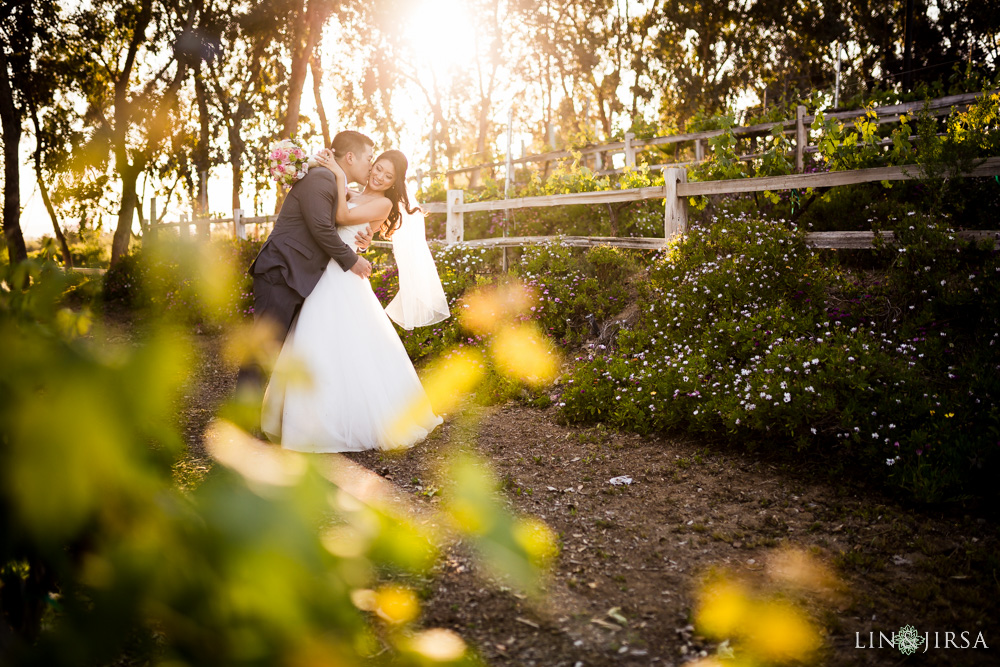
{"x": 275, "y": 305}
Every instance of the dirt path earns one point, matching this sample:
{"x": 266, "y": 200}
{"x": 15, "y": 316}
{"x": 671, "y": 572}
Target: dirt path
{"x": 691, "y": 506}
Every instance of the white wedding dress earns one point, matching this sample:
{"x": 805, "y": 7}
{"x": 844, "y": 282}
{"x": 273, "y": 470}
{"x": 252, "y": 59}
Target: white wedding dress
{"x": 343, "y": 381}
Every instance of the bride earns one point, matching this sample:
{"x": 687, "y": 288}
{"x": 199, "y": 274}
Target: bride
{"x": 343, "y": 381}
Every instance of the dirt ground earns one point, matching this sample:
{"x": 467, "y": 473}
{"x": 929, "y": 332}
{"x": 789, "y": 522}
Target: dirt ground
{"x": 624, "y": 586}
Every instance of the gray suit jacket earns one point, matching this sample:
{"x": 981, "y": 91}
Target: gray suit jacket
{"x": 305, "y": 238}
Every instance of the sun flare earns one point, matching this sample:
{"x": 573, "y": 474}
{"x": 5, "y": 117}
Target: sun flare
{"x": 442, "y": 34}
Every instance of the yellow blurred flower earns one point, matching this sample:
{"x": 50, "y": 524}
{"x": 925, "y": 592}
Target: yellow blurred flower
{"x": 484, "y": 310}
{"x": 538, "y": 540}
{"x": 724, "y": 610}
{"x": 525, "y": 354}
{"x": 396, "y": 604}
{"x": 797, "y": 568}
{"x": 779, "y": 632}
{"x": 439, "y": 645}
{"x": 453, "y": 378}
{"x": 364, "y": 599}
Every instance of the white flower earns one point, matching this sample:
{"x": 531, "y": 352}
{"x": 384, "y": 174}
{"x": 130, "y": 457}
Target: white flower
{"x": 788, "y": 397}
{"x": 889, "y": 462}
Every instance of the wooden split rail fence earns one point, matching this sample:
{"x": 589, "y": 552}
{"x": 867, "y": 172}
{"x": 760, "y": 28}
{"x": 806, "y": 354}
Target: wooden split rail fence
{"x": 675, "y": 192}
{"x": 203, "y": 226}
{"x": 799, "y": 127}
{"x": 676, "y": 189}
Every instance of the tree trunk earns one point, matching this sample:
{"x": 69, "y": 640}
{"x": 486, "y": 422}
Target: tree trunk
{"x": 201, "y": 152}
{"x": 128, "y": 174}
{"x": 480, "y": 145}
{"x": 236, "y": 148}
{"x": 306, "y": 37}
{"x": 11, "y": 122}
{"x": 317, "y": 77}
{"x": 63, "y": 245}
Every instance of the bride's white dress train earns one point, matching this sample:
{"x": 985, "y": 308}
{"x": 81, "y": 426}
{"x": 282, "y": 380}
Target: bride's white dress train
{"x": 343, "y": 381}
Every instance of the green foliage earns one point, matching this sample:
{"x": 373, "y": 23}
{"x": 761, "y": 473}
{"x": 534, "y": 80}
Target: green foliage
{"x": 941, "y": 149}
{"x": 168, "y": 278}
{"x": 743, "y": 333}
{"x": 576, "y": 290}
{"x": 104, "y": 559}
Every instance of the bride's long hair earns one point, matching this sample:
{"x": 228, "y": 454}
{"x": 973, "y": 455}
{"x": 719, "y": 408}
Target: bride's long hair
{"x": 397, "y": 193}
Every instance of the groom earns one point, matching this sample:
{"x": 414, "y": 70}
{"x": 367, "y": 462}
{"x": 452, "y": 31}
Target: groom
{"x": 300, "y": 247}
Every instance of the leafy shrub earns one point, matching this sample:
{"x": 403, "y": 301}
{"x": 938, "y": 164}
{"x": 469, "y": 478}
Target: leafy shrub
{"x": 577, "y": 290}
{"x": 167, "y": 278}
{"x": 746, "y": 335}
{"x": 103, "y": 559}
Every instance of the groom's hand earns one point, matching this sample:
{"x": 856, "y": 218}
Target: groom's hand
{"x": 362, "y": 268}
{"x": 364, "y": 239}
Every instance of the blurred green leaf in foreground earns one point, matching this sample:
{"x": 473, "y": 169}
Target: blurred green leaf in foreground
{"x": 274, "y": 559}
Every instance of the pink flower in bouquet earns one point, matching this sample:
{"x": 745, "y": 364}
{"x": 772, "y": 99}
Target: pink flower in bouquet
{"x": 289, "y": 162}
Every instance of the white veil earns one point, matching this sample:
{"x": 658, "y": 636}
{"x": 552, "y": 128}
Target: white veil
{"x": 420, "y": 301}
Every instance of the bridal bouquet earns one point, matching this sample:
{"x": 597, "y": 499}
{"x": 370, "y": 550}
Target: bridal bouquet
{"x": 289, "y": 162}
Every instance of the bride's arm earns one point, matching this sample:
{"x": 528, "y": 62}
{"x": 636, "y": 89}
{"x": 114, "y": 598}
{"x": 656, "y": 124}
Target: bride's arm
{"x": 373, "y": 211}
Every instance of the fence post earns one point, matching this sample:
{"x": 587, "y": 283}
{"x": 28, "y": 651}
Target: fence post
{"x": 699, "y": 150}
{"x": 185, "y": 229}
{"x": 629, "y": 150}
{"x": 203, "y": 226}
{"x": 153, "y": 223}
{"x": 455, "y": 230}
{"x": 674, "y": 206}
{"x": 800, "y": 138}
{"x": 239, "y": 227}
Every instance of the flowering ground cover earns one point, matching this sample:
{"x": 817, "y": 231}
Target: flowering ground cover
{"x": 743, "y": 333}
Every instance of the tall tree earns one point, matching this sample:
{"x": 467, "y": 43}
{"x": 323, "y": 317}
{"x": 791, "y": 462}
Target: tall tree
{"x": 11, "y": 116}
{"x": 26, "y": 30}
{"x": 141, "y": 56}
{"x": 41, "y": 141}
{"x": 247, "y": 77}
{"x": 309, "y": 18}
{"x": 316, "y": 69}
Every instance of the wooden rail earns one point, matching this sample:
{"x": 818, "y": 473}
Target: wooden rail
{"x": 677, "y": 189}
{"x": 818, "y": 240}
{"x": 674, "y": 193}
{"x": 799, "y": 127}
